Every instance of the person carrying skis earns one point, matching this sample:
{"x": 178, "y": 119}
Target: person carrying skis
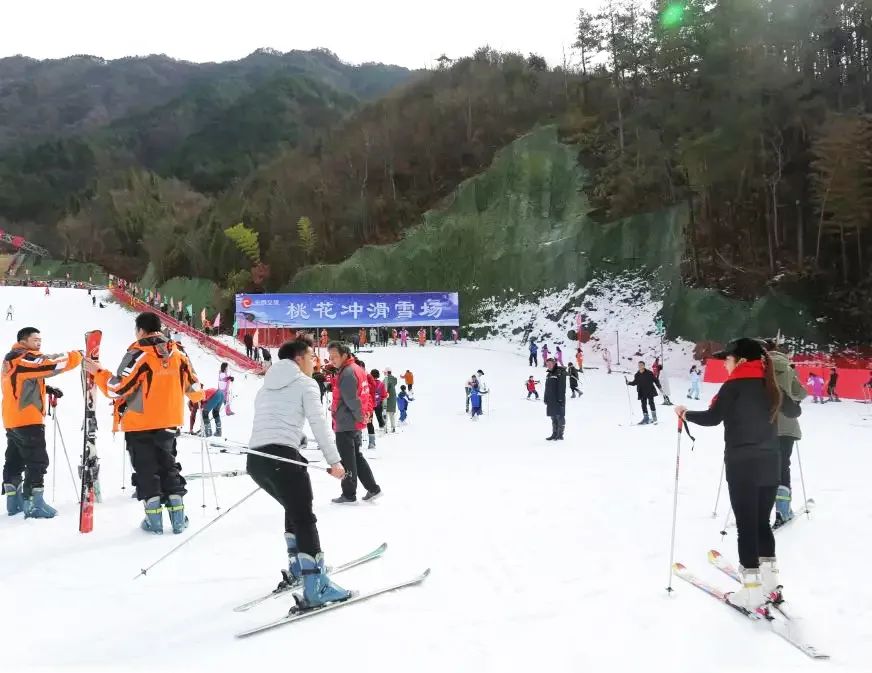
{"x": 352, "y": 409}
{"x": 224, "y": 381}
{"x": 816, "y": 381}
{"x": 789, "y": 430}
{"x": 25, "y": 369}
{"x": 695, "y": 378}
{"x": 831, "y": 385}
{"x": 403, "y": 400}
{"x": 475, "y": 398}
{"x": 646, "y": 386}
{"x": 534, "y": 354}
{"x": 531, "y": 387}
{"x": 152, "y": 380}
{"x": 748, "y": 404}
{"x": 555, "y": 398}
{"x": 282, "y": 407}
{"x": 391, "y": 400}
{"x": 572, "y": 374}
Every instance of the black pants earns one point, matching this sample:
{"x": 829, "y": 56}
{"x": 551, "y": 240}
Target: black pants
{"x": 534, "y": 360}
{"x": 153, "y": 456}
{"x": 650, "y": 403}
{"x": 379, "y": 416}
{"x": 290, "y": 486}
{"x": 532, "y": 392}
{"x": 348, "y": 443}
{"x": 26, "y": 453}
{"x": 752, "y": 505}
{"x": 249, "y": 351}
{"x": 785, "y": 448}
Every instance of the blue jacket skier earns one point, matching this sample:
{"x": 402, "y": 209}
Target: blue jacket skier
{"x": 403, "y": 403}
{"x": 534, "y": 354}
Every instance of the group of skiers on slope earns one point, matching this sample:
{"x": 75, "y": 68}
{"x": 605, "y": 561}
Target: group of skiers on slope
{"x": 558, "y": 355}
{"x": 816, "y": 383}
{"x": 381, "y": 336}
{"x": 759, "y": 405}
{"x": 213, "y": 400}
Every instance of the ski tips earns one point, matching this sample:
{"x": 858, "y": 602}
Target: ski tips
{"x": 713, "y": 555}
{"x": 678, "y": 567}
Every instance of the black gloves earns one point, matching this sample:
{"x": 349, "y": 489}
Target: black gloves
{"x": 54, "y": 392}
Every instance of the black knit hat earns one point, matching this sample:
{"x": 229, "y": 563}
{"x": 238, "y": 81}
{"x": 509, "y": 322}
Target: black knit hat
{"x": 749, "y": 349}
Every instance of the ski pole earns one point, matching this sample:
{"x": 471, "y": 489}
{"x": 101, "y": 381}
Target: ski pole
{"x": 802, "y": 480}
{"x": 674, "y": 505}
{"x": 67, "y": 456}
{"x": 720, "y": 485}
{"x": 144, "y": 571}
{"x": 212, "y": 472}
{"x": 204, "y": 448}
{"x": 123, "y": 473}
{"x": 279, "y": 458}
{"x": 629, "y": 402}
{"x": 54, "y": 453}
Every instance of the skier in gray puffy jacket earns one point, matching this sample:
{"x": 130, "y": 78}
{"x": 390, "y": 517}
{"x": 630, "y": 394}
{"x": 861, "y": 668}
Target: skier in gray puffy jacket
{"x": 789, "y": 430}
{"x": 288, "y": 399}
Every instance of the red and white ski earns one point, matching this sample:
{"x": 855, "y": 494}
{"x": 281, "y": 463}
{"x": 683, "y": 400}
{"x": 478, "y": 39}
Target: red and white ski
{"x": 89, "y": 469}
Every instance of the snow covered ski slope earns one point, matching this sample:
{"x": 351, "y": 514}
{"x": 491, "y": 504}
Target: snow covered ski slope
{"x": 545, "y": 556}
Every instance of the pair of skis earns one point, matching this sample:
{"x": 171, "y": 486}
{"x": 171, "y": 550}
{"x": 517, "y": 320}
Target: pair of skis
{"x": 784, "y": 624}
{"x": 296, "y": 614}
{"x": 89, "y": 469}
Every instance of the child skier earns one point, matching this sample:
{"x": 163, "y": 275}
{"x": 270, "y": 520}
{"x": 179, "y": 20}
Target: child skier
{"x": 545, "y": 352}
{"x": 816, "y": 381}
{"x": 531, "y": 387}
{"x": 403, "y": 400}
{"x": 475, "y": 399}
{"x": 695, "y": 378}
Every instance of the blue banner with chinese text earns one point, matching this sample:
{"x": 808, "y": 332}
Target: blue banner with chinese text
{"x": 381, "y": 309}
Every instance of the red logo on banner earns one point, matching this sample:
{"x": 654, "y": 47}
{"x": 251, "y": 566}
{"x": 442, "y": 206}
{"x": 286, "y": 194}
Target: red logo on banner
{"x": 246, "y": 302}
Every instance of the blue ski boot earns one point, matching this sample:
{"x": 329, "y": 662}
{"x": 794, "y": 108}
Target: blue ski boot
{"x": 176, "y": 510}
{"x": 14, "y": 501}
{"x": 645, "y": 421}
{"x": 318, "y": 588}
{"x": 294, "y": 575}
{"x": 783, "y": 513}
{"x": 153, "y": 522}
{"x": 35, "y": 507}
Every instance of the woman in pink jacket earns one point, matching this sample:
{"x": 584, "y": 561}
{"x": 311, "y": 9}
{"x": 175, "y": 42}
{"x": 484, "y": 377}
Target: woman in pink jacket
{"x": 816, "y": 382}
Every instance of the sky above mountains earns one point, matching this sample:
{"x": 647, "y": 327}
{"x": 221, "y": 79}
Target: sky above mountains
{"x": 411, "y": 34}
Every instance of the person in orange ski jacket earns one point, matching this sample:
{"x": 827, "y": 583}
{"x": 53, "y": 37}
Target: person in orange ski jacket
{"x": 152, "y": 381}
{"x": 409, "y": 378}
{"x": 25, "y": 369}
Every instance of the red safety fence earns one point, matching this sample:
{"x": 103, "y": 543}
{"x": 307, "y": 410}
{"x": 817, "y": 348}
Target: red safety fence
{"x": 221, "y": 350}
{"x": 849, "y": 386}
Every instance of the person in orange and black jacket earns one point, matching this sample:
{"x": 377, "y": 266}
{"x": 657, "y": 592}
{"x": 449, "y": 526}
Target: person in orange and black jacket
{"x": 25, "y": 369}
{"x": 152, "y": 380}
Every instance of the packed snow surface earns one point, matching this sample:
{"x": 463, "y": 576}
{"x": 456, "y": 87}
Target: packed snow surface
{"x": 546, "y": 556}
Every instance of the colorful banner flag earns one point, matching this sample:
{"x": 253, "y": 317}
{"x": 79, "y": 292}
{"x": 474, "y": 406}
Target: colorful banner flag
{"x": 189, "y": 309}
{"x": 180, "y": 305}
{"x": 217, "y": 322}
{"x": 256, "y": 341}
{"x": 203, "y": 317}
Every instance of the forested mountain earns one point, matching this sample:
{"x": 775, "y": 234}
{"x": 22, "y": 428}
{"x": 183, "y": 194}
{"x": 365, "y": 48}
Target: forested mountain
{"x": 752, "y": 114}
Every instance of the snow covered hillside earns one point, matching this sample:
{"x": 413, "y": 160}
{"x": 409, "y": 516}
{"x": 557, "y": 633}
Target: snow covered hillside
{"x": 546, "y": 556}
{"x": 619, "y": 310}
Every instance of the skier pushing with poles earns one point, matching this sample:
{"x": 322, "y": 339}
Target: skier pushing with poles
{"x": 288, "y": 399}
{"x": 646, "y": 385}
{"x": 748, "y": 404}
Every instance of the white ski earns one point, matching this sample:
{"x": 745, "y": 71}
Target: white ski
{"x": 296, "y": 615}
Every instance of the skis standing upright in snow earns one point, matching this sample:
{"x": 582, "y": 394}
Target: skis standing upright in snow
{"x": 89, "y": 469}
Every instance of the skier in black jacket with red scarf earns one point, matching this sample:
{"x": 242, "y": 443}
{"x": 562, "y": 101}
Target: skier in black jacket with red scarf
{"x": 748, "y": 404}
